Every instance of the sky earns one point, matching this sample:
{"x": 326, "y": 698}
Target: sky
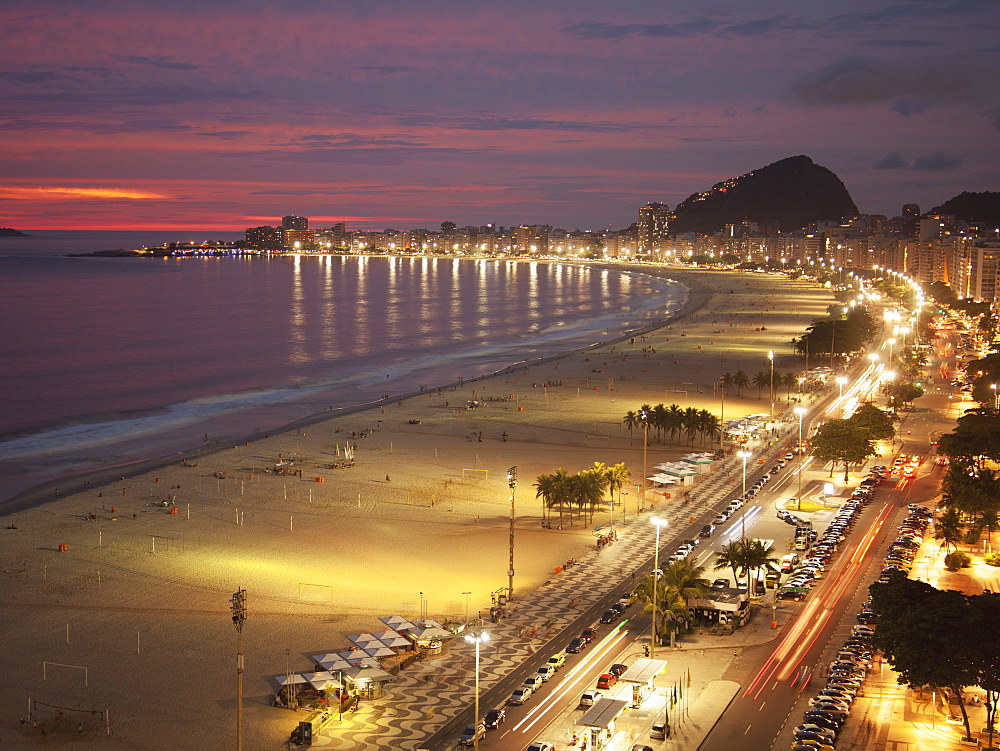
{"x": 220, "y": 114}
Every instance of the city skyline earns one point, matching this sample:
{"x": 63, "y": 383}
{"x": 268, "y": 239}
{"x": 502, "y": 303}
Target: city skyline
{"x": 181, "y": 115}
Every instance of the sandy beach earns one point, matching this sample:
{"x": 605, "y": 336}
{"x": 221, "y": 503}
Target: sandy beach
{"x": 133, "y": 615}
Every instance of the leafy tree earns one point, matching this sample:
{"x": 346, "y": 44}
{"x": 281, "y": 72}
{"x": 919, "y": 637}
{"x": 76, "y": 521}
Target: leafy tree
{"x": 687, "y": 578}
{"x": 974, "y": 438}
{"x": 926, "y": 636}
{"x": 842, "y": 441}
{"x": 986, "y": 652}
{"x": 876, "y": 422}
{"x": 741, "y": 380}
{"x": 901, "y": 394}
{"x": 668, "y": 601}
{"x": 757, "y": 555}
{"x": 554, "y": 490}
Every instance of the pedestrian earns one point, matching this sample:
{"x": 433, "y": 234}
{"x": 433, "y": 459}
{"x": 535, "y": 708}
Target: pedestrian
{"x": 387, "y": 478}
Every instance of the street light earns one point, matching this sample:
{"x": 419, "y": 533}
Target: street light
{"x": 477, "y": 639}
{"x": 511, "y": 483}
{"x": 873, "y": 356}
{"x": 645, "y": 440}
{"x": 656, "y": 579}
{"x": 466, "y": 607}
{"x": 239, "y": 608}
{"x": 800, "y": 411}
{"x": 770, "y": 356}
{"x": 744, "y": 455}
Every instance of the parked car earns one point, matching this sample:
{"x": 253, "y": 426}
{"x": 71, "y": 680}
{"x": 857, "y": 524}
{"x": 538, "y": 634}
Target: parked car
{"x": 707, "y": 530}
{"x": 540, "y": 746}
{"x": 607, "y": 680}
{"x": 557, "y": 661}
{"x": 494, "y": 717}
{"x": 472, "y": 734}
{"x": 588, "y": 634}
{"x": 589, "y": 698}
{"x": 659, "y": 731}
{"x": 545, "y": 672}
{"x": 617, "y": 669}
{"x": 520, "y": 695}
{"x": 576, "y": 645}
{"x": 609, "y": 616}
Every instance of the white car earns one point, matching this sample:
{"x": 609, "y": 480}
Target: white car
{"x": 589, "y": 698}
{"x": 545, "y": 672}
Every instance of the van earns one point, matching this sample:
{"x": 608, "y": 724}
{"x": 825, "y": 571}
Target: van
{"x": 789, "y": 562}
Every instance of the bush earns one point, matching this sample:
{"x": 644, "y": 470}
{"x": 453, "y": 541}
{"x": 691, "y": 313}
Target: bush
{"x": 993, "y": 559}
{"x": 955, "y": 561}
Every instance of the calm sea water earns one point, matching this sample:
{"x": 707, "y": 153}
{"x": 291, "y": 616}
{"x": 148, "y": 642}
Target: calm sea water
{"x": 107, "y": 360}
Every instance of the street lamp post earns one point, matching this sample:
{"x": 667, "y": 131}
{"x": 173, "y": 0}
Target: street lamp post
{"x": 656, "y": 580}
{"x": 873, "y": 356}
{"x": 477, "y": 639}
{"x": 744, "y": 455}
{"x": 841, "y": 380}
{"x": 800, "y": 411}
{"x": 722, "y": 416}
{"x": 645, "y": 442}
{"x": 511, "y": 483}
{"x": 239, "y": 608}
{"x": 996, "y": 403}
{"x": 466, "y": 607}
{"x": 770, "y": 356}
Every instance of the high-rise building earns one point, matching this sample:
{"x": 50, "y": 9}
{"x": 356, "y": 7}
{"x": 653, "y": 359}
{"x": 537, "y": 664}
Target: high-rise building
{"x": 653, "y": 226}
{"x": 295, "y": 222}
{"x": 264, "y": 238}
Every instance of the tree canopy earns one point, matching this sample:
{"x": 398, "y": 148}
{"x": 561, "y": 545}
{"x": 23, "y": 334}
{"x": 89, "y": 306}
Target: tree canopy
{"x": 842, "y": 441}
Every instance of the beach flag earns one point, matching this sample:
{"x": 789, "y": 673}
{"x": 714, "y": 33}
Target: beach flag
{"x": 689, "y": 678}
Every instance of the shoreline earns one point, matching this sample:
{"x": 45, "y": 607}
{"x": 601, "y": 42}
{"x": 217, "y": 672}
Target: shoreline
{"x": 95, "y": 478}
{"x": 419, "y": 527}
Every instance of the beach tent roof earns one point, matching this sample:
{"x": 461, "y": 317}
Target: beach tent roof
{"x": 379, "y": 650}
{"x": 393, "y": 639}
{"x": 293, "y": 679}
{"x": 332, "y": 661}
{"x": 396, "y": 622}
{"x": 367, "y": 673}
{"x": 321, "y": 680}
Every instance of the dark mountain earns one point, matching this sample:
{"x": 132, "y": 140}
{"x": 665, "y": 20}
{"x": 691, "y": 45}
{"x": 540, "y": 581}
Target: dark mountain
{"x": 790, "y": 194}
{"x": 980, "y": 208}
{"x": 8, "y": 232}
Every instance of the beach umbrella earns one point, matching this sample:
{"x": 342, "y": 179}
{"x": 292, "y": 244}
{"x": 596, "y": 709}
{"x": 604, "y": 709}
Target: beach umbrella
{"x": 379, "y": 650}
{"x": 355, "y": 655}
{"x": 393, "y": 639}
{"x": 362, "y": 674}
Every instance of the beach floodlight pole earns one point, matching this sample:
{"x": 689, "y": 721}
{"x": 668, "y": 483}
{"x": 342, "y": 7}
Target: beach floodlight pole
{"x": 239, "y": 608}
{"x": 656, "y": 581}
{"x": 511, "y": 483}
{"x": 722, "y": 416}
{"x": 466, "y": 606}
{"x": 477, "y": 639}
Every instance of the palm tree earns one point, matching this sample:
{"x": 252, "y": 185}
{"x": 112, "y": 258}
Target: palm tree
{"x": 949, "y": 529}
{"x": 553, "y": 490}
{"x": 674, "y": 420}
{"x": 688, "y": 579}
{"x": 659, "y": 419}
{"x": 731, "y": 557}
{"x": 708, "y": 424}
{"x": 589, "y": 489}
{"x": 789, "y": 380}
{"x": 669, "y": 600}
{"x": 761, "y": 380}
{"x": 618, "y": 476}
{"x": 757, "y": 555}
{"x": 741, "y": 380}
{"x": 691, "y": 423}
{"x": 633, "y": 421}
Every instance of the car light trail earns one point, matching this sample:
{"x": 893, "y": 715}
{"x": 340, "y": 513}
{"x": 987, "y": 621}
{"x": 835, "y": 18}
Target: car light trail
{"x": 571, "y": 680}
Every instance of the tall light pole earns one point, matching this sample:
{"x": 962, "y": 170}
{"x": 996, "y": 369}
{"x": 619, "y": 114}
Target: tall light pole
{"x": 466, "y": 607}
{"x": 800, "y": 411}
{"x": 656, "y": 580}
{"x": 722, "y": 416}
{"x": 996, "y": 402}
{"x": 477, "y": 639}
{"x": 239, "y": 608}
{"x": 511, "y": 483}
{"x": 744, "y": 455}
{"x": 890, "y": 342}
{"x": 645, "y": 441}
{"x": 770, "y": 356}
{"x": 873, "y": 356}
{"x": 841, "y": 380}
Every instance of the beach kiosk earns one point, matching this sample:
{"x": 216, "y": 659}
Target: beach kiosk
{"x": 640, "y": 675}
{"x": 599, "y": 722}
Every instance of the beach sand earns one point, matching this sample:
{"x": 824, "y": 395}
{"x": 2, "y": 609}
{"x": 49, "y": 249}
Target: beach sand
{"x": 133, "y": 616}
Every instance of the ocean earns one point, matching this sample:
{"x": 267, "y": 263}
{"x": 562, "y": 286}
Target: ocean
{"x": 108, "y": 361}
